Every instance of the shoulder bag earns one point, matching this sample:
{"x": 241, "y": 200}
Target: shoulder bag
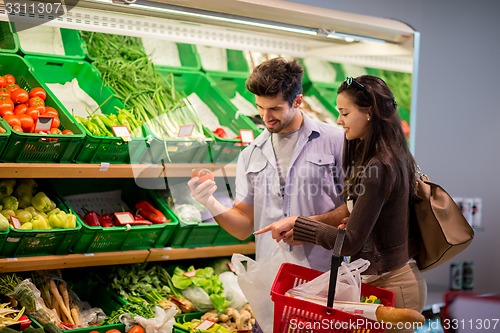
{"x": 444, "y": 231}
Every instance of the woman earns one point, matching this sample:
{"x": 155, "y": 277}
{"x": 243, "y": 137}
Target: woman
{"x": 379, "y": 174}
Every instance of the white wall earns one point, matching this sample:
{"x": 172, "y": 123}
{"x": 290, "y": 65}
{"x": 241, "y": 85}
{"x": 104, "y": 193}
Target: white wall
{"x": 458, "y": 113}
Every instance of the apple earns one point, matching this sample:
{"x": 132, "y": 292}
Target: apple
{"x": 203, "y": 173}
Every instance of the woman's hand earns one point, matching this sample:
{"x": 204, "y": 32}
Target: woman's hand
{"x": 281, "y": 230}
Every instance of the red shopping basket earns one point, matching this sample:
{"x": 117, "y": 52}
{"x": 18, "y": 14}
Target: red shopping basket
{"x": 297, "y": 315}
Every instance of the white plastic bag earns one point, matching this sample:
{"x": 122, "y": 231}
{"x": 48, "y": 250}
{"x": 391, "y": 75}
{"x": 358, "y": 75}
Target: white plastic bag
{"x": 347, "y": 289}
{"x": 256, "y": 279}
{"x": 232, "y": 290}
{"x": 163, "y": 322}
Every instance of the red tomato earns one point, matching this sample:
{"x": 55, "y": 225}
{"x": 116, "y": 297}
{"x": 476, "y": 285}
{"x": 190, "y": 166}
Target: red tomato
{"x": 38, "y": 92}
{"x": 17, "y": 129}
{"x": 19, "y": 96}
{"x": 12, "y": 120}
{"x": 27, "y": 123}
{"x": 9, "y": 78}
{"x": 36, "y": 101}
{"x": 55, "y": 130}
{"x": 136, "y": 329}
{"x": 33, "y": 112}
{"x": 202, "y": 173}
{"x": 55, "y": 123}
{"x": 6, "y": 105}
{"x": 4, "y": 92}
{"x": 3, "y": 82}
{"x": 20, "y": 108}
{"x": 67, "y": 131}
{"x": 50, "y": 111}
{"x": 12, "y": 87}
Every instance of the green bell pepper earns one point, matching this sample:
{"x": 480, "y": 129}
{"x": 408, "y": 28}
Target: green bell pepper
{"x": 42, "y": 202}
{"x": 10, "y": 202}
{"x": 7, "y": 187}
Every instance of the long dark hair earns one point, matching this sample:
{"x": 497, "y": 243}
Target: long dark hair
{"x": 385, "y": 137}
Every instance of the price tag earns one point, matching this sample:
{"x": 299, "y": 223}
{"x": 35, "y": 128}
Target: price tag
{"x": 122, "y": 132}
{"x": 124, "y": 217}
{"x": 185, "y": 130}
{"x": 190, "y": 274}
{"x": 15, "y": 222}
{"x": 205, "y": 325}
{"x": 246, "y": 136}
{"x": 44, "y": 123}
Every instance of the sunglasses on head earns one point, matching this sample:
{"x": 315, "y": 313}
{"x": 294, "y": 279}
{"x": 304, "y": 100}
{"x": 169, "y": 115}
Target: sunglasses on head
{"x": 350, "y": 80}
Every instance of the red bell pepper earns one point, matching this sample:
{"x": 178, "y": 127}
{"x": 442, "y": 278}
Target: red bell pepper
{"x": 106, "y": 220}
{"x": 150, "y": 213}
{"x": 91, "y": 218}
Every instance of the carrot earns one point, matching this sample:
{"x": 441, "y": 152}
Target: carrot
{"x": 60, "y": 302}
{"x": 56, "y": 308}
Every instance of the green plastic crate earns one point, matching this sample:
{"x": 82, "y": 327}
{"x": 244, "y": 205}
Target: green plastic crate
{"x": 236, "y": 63}
{"x": 74, "y": 47}
{"x": 188, "y": 57}
{"x": 100, "y": 239}
{"x": 200, "y": 234}
{"x": 95, "y": 149}
{"x": 3, "y": 237}
{"x": 23, "y": 243}
{"x": 8, "y": 43}
{"x": 30, "y": 147}
{"x": 4, "y": 137}
{"x": 222, "y": 150}
{"x": 225, "y": 151}
{"x": 326, "y": 94}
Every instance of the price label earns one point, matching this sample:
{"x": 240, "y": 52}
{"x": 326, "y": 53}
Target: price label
{"x": 124, "y": 217}
{"x": 185, "y": 130}
{"x": 246, "y": 136}
{"x": 205, "y": 325}
{"x": 15, "y": 222}
{"x": 44, "y": 123}
{"x": 122, "y": 132}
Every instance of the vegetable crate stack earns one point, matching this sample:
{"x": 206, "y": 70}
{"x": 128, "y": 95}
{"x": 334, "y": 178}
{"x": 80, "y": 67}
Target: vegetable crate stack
{"x": 42, "y": 131}
{"x": 80, "y": 89}
{"x": 232, "y": 86}
{"x": 117, "y": 215}
{"x": 126, "y": 68}
{"x": 216, "y": 112}
{"x": 39, "y": 223}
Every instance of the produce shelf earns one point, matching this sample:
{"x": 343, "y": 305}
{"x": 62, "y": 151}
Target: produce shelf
{"x": 169, "y": 253}
{"x": 104, "y": 170}
{"x": 23, "y": 264}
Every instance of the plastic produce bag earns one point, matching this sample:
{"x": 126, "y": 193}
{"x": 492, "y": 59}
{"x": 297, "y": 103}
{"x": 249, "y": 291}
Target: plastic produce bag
{"x": 232, "y": 290}
{"x": 163, "y": 321}
{"x": 199, "y": 298}
{"x": 256, "y": 279}
{"x": 348, "y": 287}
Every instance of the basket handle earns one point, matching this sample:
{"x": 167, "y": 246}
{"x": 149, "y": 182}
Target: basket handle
{"x": 336, "y": 260}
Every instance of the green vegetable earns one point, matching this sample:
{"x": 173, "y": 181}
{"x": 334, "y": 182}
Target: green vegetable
{"x": 23, "y": 215}
{"x": 42, "y": 202}
{"x": 7, "y": 187}
{"x": 4, "y": 223}
{"x": 207, "y": 280}
{"x": 40, "y": 223}
{"x": 10, "y": 203}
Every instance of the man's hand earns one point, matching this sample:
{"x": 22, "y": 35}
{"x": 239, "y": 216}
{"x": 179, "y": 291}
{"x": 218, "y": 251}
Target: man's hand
{"x": 203, "y": 193}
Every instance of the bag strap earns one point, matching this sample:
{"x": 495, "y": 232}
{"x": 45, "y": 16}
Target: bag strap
{"x": 336, "y": 260}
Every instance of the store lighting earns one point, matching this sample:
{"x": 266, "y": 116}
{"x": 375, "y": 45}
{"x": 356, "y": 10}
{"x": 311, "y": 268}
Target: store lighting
{"x": 232, "y": 19}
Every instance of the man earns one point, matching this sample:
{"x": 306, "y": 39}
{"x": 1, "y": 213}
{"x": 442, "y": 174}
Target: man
{"x": 292, "y": 168}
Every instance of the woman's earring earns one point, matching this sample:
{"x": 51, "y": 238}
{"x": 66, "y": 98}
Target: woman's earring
{"x": 368, "y": 118}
